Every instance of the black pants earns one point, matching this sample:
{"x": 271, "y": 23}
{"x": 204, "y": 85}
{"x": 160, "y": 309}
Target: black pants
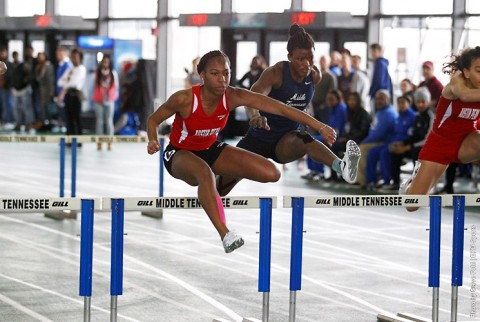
{"x": 396, "y": 161}
{"x": 73, "y": 109}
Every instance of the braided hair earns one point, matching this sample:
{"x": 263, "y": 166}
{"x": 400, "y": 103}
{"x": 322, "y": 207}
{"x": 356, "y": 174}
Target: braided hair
{"x": 462, "y": 61}
{"x": 299, "y": 38}
{"x": 211, "y": 54}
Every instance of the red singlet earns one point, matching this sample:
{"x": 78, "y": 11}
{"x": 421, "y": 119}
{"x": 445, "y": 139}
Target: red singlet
{"x": 454, "y": 120}
{"x": 199, "y": 131}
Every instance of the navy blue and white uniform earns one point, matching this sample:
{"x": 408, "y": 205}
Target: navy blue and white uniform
{"x": 292, "y": 93}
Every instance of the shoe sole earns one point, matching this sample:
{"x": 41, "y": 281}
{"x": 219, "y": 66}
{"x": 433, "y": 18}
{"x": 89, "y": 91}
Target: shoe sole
{"x": 403, "y": 187}
{"x": 353, "y": 158}
{"x": 236, "y": 244}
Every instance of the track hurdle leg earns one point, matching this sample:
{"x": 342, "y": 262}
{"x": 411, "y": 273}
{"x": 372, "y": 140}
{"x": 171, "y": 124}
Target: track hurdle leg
{"x": 62, "y": 168}
{"x": 296, "y": 254}
{"x": 457, "y": 251}
{"x": 60, "y": 215}
{"x": 158, "y": 213}
{"x": 434, "y": 252}
{"x": 116, "y": 273}
{"x": 265, "y": 252}
{"x": 86, "y": 256}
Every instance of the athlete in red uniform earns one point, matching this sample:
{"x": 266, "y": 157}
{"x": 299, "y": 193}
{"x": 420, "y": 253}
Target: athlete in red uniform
{"x": 195, "y": 156}
{"x": 454, "y": 136}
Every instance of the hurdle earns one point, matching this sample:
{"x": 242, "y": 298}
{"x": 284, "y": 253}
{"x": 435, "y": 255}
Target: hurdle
{"x": 118, "y": 206}
{"x": 86, "y": 207}
{"x": 298, "y": 204}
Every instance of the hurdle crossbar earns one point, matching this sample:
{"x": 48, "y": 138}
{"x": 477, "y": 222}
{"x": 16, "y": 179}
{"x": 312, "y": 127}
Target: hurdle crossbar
{"x": 120, "y": 205}
{"x": 298, "y": 204}
{"x": 87, "y": 207}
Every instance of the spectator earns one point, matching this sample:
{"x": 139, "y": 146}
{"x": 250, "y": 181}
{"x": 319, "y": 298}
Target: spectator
{"x": 345, "y": 78}
{"x": 335, "y": 58}
{"x": 193, "y": 78}
{"x": 105, "y": 93}
{"x": 328, "y": 83}
{"x": 380, "y": 131}
{"x": 380, "y": 78}
{"x": 403, "y": 124}
{"x": 6, "y": 103}
{"x": 22, "y": 94}
{"x": 257, "y": 66}
{"x": 361, "y": 82}
{"x": 72, "y": 83}
{"x": 44, "y": 76}
{"x": 410, "y": 147}
{"x": 63, "y": 64}
{"x": 356, "y": 127}
{"x": 30, "y": 64}
{"x": 407, "y": 88}
{"x": 337, "y": 120}
{"x": 431, "y": 82}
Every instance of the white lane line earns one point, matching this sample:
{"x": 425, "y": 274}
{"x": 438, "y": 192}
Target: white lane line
{"x": 280, "y": 268}
{"x": 23, "y": 309}
{"x": 195, "y": 257}
{"x": 37, "y": 245}
{"x": 171, "y": 277}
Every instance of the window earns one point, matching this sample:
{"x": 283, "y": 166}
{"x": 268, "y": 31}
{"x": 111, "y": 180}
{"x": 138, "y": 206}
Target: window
{"x": 417, "y": 45}
{"x": 195, "y": 6}
{"x": 253, "y": 6}
{"x": 25, "y": 8}
{"x": 473, "y": 32}
{"x": 355, "y": 7}
{"x": 132, "y": 9}
{"x": 134, "y": 29}
{"x": 85, "y": 8}
{"x": 473, "y": 6}
{"x": 409, "y": 7}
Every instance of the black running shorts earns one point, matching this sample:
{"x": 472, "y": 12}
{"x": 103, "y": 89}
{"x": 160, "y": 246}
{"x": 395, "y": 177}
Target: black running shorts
{"x": 209, "y": 155}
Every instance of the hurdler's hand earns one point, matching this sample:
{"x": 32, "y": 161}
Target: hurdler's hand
{"x": 259, "y": 121}
{"x": 153, "y": 147}
{"x": 329, "y": 134}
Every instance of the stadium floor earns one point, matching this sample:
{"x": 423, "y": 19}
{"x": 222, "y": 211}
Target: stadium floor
{"x": 357, "y": 262}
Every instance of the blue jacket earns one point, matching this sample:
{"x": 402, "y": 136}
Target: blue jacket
{"x": 403, "y": 125}
{"x": 338, "y": 118}
{"x": 382, "y": 126}
{"x": 381, "y": 78}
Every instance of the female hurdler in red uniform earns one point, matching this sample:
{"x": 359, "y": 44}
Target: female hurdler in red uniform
{"x": 195, "y": 156}
{"x": 454, "y": 136}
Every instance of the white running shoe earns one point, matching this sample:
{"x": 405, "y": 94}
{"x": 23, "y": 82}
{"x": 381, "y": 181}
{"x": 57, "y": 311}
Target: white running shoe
{"x": 403, "y": 187}
{"x": 232, "y": 241}
{"x": 349, "y": 163}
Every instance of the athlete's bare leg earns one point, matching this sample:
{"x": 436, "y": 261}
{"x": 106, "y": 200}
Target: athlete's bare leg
{"x": 291, "y": 147}
{"x": 470, "y": 148}
{"x": 234, "y": 164}
{"x": 426, "y": 178}
{"x": 193, "y": 170}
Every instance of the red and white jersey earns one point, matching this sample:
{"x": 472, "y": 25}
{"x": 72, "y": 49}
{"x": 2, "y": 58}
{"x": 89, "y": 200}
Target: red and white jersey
{"x": 455, "y": 118}
{"x": 199, "y": 131}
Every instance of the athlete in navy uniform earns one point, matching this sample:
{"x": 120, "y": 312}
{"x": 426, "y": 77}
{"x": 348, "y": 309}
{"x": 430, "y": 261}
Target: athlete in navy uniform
{"x": 291, "y": 82}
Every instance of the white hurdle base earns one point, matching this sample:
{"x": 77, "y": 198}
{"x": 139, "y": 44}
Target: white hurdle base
{"x": 251, "y": 320}
{"x": 158, "y": 214}
{"x": 388, "y": 317}
{"x": 61, "y": 215}
{"x": 220, "y": 320}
